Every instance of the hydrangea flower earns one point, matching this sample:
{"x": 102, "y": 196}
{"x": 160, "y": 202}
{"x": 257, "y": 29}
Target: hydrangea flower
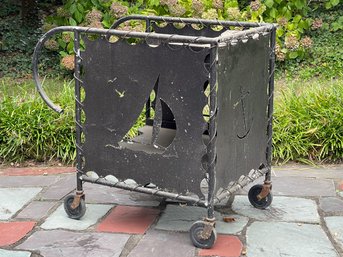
{"x": 218, "y": 4}
{"x": 234, "y": 13}
{"x": 291, "y": 42}
{"x": 255, "y": 5}
{"x": 306, "y": 42}
{"x": 68, "y": 62}
{"x": 317, "y": 24}
{"x": 51, "y": 44}
{"x": 118, "y": 10}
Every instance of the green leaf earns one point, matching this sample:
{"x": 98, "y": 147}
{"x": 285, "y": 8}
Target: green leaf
{"x": 269, "y": 3}
{"x": 297, "y": 18}
{"x": 95, "y": 2}
{"x": 334, "y": 2}
{"x": 299, "y": 4}
{"x": 154, "y": 3}
{"x": 336, "y": 26}
{"x": 63, "y": 54}
{"x": 72, "y": 22}
{"x": 80, "y": 8}
{"x": 280, "y": 31}
{"x": 273, "y": 13}
{"x": 328, "y": 5}
{"x": 73, "y": 8}
{"x": 106, "y": 23}
{"x": 70, "y": 47}
{"x": 304, "y": 24}
{"x": 290, "y": 26}
{"x": 61, "y": 43}
{"x": 293, "y": 55}
{"x": 288, "y": 14}
{"x": 78, "y": 16}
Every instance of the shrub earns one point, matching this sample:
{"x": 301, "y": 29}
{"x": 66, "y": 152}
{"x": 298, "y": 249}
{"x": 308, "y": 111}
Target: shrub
{"x": 30, "y": 130}
{"x": 308, "y": 123}
{"x": 292, "y": 17}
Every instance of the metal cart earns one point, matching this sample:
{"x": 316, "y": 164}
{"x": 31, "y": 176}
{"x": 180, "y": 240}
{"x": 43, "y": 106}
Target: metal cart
{"x": 205, "y": 88}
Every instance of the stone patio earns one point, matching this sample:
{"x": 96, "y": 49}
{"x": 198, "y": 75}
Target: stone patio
{"x": 304, "y": 220}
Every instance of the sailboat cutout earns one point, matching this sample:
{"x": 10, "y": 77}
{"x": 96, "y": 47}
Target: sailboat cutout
{"x": 159, "y": 131}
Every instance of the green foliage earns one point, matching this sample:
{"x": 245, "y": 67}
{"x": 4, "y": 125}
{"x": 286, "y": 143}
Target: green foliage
{"x": 308, "y": 122}
{"x": 293, "y": 17}
{"x": 17, "y": 43}
{"x": 326, "y": 59}
{"x": 30, "y": 130}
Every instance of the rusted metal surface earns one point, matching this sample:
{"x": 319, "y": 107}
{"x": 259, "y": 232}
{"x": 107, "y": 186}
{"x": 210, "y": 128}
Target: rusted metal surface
{"x": 266, "y": 188}
{"x": 208, "y": 228}
{"x": 77, "y": 199}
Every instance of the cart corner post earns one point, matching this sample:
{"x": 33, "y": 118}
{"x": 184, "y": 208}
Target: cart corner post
{"x": 78, "y": 111}
{"x": 211, "y": 147}
{"x": 207, "y": 227}
{"x": 270, "y": 103}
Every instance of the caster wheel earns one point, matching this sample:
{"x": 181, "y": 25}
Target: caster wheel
{"x": 195, "y": 234}
{"x": 76, "y": 213}
{"x": 259, "y": 204}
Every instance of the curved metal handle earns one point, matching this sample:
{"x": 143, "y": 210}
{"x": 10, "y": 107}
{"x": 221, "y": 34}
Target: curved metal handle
{"x": 35, "y": 59}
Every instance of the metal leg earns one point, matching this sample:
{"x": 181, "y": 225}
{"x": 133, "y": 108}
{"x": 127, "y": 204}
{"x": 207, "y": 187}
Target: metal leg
{"x": 203, "y": 233}
{"x": 78, "y": 121}
{"x": 211, "y": 147}
{"x": 210, "y": 220}
{"x": 266, "y": 188}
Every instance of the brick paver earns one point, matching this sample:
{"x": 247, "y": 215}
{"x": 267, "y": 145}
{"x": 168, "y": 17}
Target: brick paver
{"x": 128, "y": 219}
{"x": 12, "y": 232}
{"x": 225, "y": 246}
{"x": 36, "y": 171}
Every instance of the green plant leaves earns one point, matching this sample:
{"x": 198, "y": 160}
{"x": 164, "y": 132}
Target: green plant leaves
{"x": 337, "y": 25}
{"x": 300, "y": 4}
{"x": 78, "y": 16}
{"x": 269, "y": 3}
{"x": 308, "y": 122}
{"x": 293, "y": 55}
{"x": 72, "y": 22}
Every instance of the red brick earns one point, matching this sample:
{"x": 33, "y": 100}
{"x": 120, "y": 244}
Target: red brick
{"x": 226, "y": 246}
{"x": 340, "y": 186}
{"x": 12, "y": 232}
{"x": 36, "y": 171}
{"x": 128, "y": 219}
